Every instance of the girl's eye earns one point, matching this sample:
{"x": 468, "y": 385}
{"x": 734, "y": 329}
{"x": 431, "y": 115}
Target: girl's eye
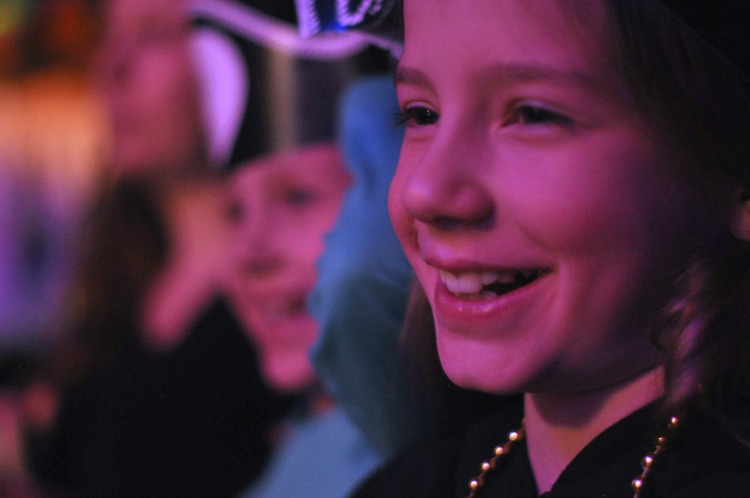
{"x": 417, "y": 115}
{"x": 234, "y": 212}
{"x": 533, "y": 115}
{"x": 299, "y": 197}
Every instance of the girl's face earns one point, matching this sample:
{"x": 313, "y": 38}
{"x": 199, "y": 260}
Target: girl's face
{"x": 146, "y": 72}
{"x": 543, "y": 218}
{"x": 282, "y": 205}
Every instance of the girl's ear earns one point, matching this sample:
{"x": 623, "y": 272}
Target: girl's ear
{"x": 741, "y": 223}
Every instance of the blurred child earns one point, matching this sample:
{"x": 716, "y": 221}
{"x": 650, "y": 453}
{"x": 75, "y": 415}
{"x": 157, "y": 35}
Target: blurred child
{"x": 161, "y": 393}
{"x": 272, "y": 100}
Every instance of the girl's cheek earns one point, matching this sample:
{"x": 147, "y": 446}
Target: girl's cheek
{"x": 396, "y": 209}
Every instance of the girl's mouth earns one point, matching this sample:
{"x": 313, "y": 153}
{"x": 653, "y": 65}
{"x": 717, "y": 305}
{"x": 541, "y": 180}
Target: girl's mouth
{"x": 475, "y": 285}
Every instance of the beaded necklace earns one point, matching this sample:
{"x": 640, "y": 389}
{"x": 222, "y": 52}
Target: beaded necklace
{"x": 500, "y": 451}
{"x": 518, "y": 435}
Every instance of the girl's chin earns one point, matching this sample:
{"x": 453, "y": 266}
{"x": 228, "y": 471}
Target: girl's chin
{"x": 288, "y": 373}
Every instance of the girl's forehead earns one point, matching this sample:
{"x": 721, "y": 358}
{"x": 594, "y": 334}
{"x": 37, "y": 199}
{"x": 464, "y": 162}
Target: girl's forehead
{"x": 564, "y": 38}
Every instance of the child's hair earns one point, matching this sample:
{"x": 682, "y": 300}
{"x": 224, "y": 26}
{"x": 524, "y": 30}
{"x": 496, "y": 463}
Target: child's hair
{"x": 125, "y": 246}
{"x": 702, "y": 104}
{"x": 693, "y": 94}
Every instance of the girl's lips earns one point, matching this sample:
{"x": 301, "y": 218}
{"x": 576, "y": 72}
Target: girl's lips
{"x": 475, "y": 313}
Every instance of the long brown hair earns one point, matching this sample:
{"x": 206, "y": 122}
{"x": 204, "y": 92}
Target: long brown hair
{"x": 124, "y": 247}
{"x": 702, "y": 104}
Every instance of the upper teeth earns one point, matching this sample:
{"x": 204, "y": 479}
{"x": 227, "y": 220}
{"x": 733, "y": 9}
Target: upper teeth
{"x": 472, "y": 282}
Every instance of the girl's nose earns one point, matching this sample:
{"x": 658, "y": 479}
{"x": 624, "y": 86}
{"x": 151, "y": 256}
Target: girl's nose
{"x": 255, "y": 250}
{"x": 446, "y": 189}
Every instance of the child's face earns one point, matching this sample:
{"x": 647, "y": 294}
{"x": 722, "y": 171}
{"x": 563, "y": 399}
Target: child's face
{"x": 282, "y": 206}
{"x": 146, "y": 73}
{"x": 543, "y": 218}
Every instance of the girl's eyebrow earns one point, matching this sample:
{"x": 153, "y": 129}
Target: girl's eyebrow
{"x": 410, "y": 76}
{"x": 529, "y": 73}
{"x": 510, "y": 73}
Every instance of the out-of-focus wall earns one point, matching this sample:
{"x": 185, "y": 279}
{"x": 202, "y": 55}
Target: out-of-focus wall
{"x": 53, "y": 141}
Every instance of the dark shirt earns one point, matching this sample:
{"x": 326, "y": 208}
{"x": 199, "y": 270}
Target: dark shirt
{"x": 192, "y": 423}
{"x": 704, "y": 459}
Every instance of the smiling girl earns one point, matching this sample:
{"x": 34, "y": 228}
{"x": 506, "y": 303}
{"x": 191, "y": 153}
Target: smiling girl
{"x": 571, "y": 194}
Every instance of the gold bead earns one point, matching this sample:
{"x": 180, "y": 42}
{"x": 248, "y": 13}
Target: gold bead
{"x": 488, "y": 465}
{"x": 647, "y": 461}
{"x": 636, "y": 484}
{"x": 673, "y": 421}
